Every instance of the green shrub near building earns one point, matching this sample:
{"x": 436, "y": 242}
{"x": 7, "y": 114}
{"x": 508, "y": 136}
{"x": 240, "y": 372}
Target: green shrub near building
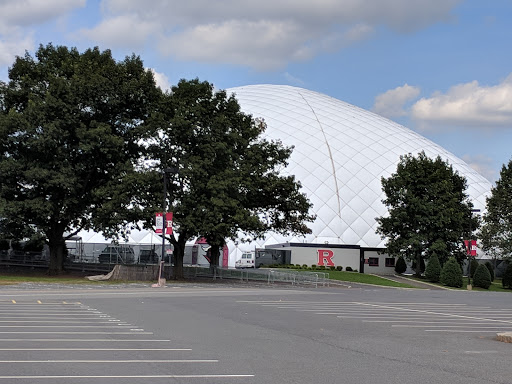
{"x": 490, "y": 267}
{"x": 482, "y": 277}
{"x": 473, "y": 266}
{"x": 451, "y": 274}
{"x": 401, "y": 265}
{"x": 433, "y": 270}
{"x": 507, "y": 277}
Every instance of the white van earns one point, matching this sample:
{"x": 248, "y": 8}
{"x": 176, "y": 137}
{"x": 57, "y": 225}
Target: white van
{"x": 246, "y": 261}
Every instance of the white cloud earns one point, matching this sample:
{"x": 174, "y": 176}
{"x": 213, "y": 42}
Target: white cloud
{"x": 261, "y": 34}
{"x": 391, "y": 103}
{"x": 161, "y": 80}
{"x": 121, "y": 31}
{"x": 468, "y": 104}
{"x": 16, "y": 18}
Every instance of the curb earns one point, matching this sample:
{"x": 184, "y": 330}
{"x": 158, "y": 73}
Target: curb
{"x": 505, "y": 337}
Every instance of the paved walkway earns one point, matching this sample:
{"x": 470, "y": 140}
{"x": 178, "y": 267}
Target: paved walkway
{"x": 413, "y": 282}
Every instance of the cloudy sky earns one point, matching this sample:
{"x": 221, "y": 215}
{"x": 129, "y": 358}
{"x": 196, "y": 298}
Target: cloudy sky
{"x": 441, "y": 67}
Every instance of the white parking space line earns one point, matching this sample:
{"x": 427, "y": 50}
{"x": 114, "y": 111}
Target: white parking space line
{"x": 130, "y": 377}
{"x": 92, "y": 335}
{"x": 106, "y": 361}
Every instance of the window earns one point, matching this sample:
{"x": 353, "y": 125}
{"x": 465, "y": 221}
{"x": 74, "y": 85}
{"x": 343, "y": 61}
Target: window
{"x": 373, "y": 261}
{"x": 390, "y": 261}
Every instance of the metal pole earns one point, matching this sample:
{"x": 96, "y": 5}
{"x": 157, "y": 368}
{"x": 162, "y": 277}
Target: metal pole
{"x": 164, "y": 224}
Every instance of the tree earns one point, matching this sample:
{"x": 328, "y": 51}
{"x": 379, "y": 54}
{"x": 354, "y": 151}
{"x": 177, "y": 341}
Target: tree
{"x": 496, "y": 232}
{"x": 227, "y": 178}
{"x": 451, "y": 274}
{"x": 401, "y": 265}
{"x": 71, "y": 125}
{"x": 428, "y": 208}
{"x": 433, "y": 271}
{"x": 482, "y": 277}
{"x": 473, "y": 265}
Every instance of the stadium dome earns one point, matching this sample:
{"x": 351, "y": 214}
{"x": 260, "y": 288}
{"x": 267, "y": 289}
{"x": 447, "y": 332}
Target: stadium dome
{"x": 340, "y": 154}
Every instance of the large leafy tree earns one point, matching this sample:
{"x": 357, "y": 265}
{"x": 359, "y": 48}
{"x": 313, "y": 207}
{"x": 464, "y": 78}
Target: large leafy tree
{"x": 429, "y": 210}
{"x": 227, "y": 177}
{"x": 71, "y": 125}
{"x": 496, "y": 232}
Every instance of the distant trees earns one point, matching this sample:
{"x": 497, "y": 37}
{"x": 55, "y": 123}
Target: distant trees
{"x": 71, "y": 127}
{"x": 496, "y": 231}
{"x": 428, "y": 210}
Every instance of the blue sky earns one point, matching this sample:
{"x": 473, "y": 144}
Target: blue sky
{"x": 441, "y": 67}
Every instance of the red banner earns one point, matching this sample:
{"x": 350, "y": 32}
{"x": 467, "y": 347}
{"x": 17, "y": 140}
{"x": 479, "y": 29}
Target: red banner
{"x": 159, "y": 223}
{"x": 472, "y": 251}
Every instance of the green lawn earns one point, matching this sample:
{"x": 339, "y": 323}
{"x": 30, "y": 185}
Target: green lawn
{"x": 356, "y": 277}
{"x": 496, "y": 285}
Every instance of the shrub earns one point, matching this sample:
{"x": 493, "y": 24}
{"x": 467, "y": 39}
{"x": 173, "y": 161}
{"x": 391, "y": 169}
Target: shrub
{"x": 482, "y": 277}
{"x": 313, "y": 267}
{"x": 451, "y": 274}
{"x": 490, "y": 267}
{"x": 507, "y": 277}
{"x": 321, "y": 267}
{"x": 401, "y": 265}
{"x": 339, "y": 268}
{"x": 305, "y": 266}
{"x": 473, "y": 266}
{"x": 348, "y": 269}
{"x": 433, "y": 270}
{"x": 4, "y": 245}
{"x": 332, "y": 268}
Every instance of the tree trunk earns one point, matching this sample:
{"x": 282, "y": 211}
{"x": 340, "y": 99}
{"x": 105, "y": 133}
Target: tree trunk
{"x": 58, "y": 254}
{"x": 179, "y": 253}
{"x": 418, "y": 265}
{"x": 214, "y": 257}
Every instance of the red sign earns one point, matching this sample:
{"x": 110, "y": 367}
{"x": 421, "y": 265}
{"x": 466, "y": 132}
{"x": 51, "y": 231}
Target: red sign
{"x": 472, "y": 251}
{"x": 159, "y": 223}
{"x": 325, "y": 257}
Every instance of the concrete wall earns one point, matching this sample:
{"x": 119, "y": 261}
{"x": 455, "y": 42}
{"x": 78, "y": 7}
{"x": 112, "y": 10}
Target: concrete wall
{"x": 319, "y": 254}
{"x": 379, "y": 269}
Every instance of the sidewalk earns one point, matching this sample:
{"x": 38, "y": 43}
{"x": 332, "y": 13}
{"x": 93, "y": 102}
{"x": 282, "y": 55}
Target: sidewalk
{"x": 414, "y": 283}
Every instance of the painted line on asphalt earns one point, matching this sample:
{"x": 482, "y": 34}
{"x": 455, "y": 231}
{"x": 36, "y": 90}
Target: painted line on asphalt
{"x": 458, "y": 331}
{"x": 92, "y": 340}
{"x": 68, "y": 326}
{"x": 79, "y": 333}
{"x": 95, "y": 349}
{"x": 463, "y": 325}
{"x": 105, "y": 361}
{"x": 130, "y": 377}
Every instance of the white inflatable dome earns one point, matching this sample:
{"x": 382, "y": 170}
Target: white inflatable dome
{"x": 340, "y": 154}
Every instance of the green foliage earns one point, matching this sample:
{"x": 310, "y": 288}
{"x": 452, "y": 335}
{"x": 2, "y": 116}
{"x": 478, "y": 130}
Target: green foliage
{"x": 339, "y": 268}
{"x": 313, "y": 267}
{"x": 473, "y": 266}
{"x": 332, "y": 268}
{"x": 507, "y": 277}
{"x": 305, "y": 266}
{"x": 433, "y": 270}
{"x": 496, "y": 232}
{"x": 422, "y": 266}
{"x": 349, "y": 269}
{"x": 490, "y": 267}
{"x": 4, "y": 245}
{"x": 427, "y": 205}
{"x": 228, "y": 176}
{"x": 401, "y": 265}
{"x": 71, "y": 125}
{"x": 451, "y": 274}
{"x": 482, "y": 277}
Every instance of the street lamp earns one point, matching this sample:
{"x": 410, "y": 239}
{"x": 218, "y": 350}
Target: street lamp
{"x": 469, "y": 247}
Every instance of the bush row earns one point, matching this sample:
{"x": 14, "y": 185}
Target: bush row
{"x": 313, "y": 267}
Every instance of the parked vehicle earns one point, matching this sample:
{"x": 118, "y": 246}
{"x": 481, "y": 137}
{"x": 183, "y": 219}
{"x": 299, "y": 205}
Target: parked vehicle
{"x": 246, "y": 261}
{"x": 117, "y": 254}
{"x": 148, "y": 256}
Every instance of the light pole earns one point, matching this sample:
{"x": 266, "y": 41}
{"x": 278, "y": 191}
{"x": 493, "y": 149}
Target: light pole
{"x": 172, "y": 170}
{"x": 469, "y": 247}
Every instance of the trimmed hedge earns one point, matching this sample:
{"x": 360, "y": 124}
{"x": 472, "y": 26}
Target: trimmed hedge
{"x": 451, "y": 274}
{"x": 401, "y": 265}
{"x": 490, "y": 267}
{"x": 482, "y": 277}
{"x": 507, "y": 277}
{"x": 433, "y": 270}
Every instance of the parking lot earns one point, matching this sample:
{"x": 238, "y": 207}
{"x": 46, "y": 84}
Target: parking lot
{"x": 203, "y": 333}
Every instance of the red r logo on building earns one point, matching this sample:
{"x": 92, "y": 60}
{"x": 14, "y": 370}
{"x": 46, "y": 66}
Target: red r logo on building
{"x": 325, "y": 257}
